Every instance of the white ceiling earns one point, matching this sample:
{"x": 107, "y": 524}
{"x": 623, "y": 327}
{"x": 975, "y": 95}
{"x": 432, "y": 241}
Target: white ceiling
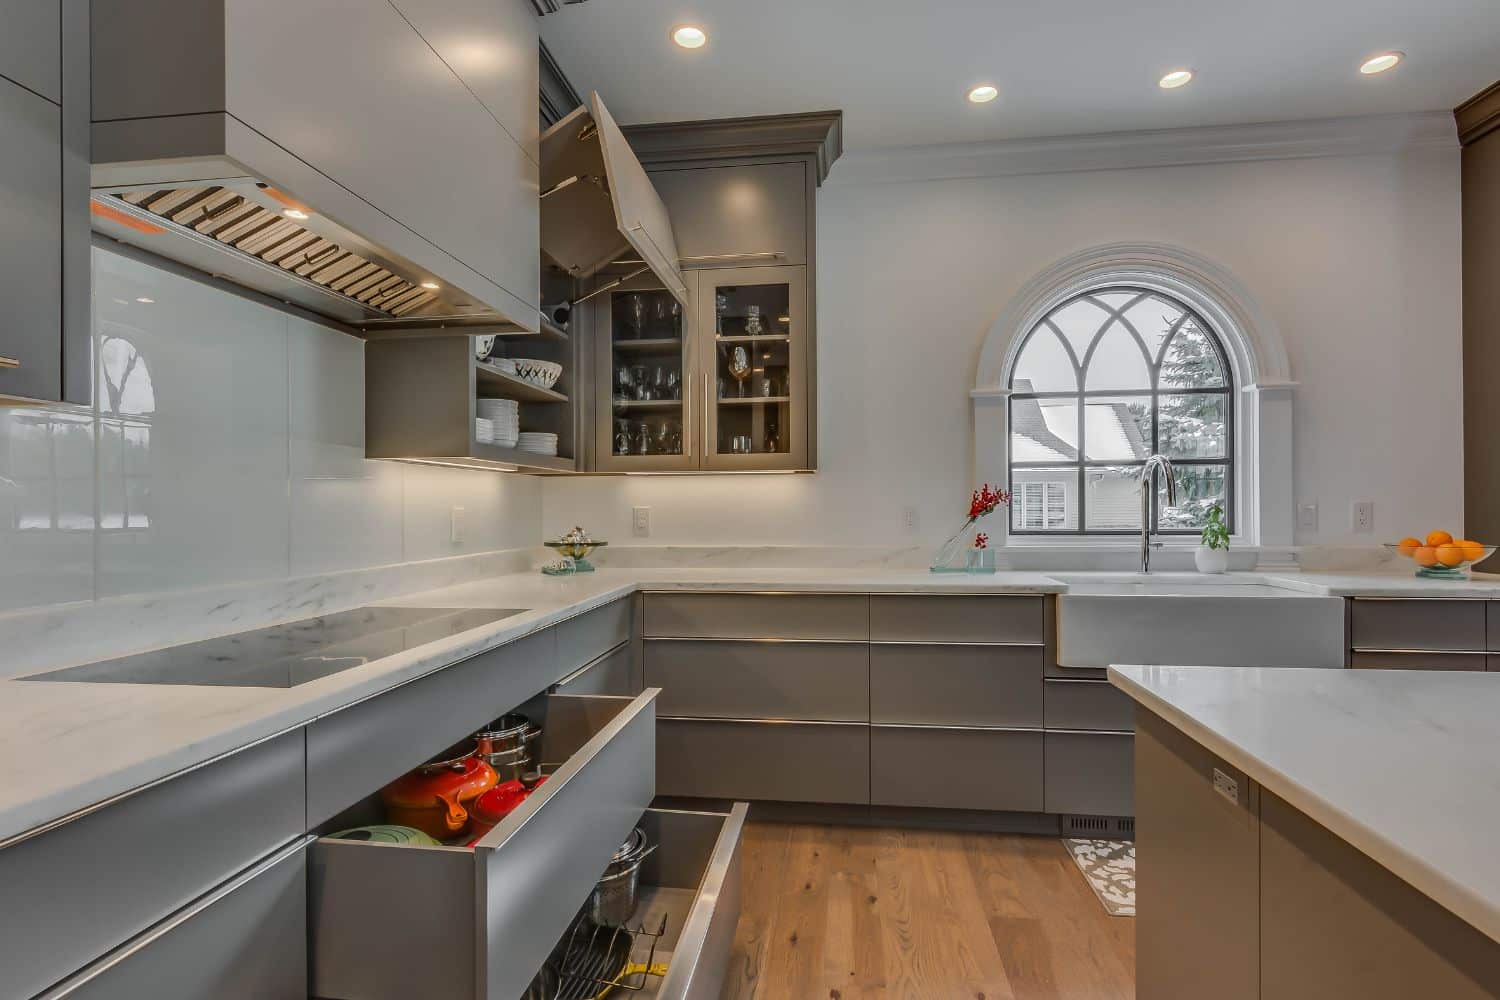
{"x": 899, "y": 69}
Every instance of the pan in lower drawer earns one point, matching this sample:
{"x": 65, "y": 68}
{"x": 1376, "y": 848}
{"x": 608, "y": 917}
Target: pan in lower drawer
{"x": 454, "y": 923}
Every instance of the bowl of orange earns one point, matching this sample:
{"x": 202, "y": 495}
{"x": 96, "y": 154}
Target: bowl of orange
{"x": 1441, "y": 556}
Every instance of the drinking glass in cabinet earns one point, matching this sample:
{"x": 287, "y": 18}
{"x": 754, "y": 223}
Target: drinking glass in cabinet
{"x": 753, "y": 358}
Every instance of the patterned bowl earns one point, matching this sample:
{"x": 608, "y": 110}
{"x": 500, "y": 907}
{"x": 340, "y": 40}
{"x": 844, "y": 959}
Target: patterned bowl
{"x": 1439, "y": 570}
{"x": 538, "y": 372}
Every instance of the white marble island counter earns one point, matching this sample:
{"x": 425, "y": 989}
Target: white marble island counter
{"x": 1401, "y": 765}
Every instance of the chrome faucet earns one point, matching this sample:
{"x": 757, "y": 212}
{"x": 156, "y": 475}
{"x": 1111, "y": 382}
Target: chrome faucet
{"x": 1152, "y": 464}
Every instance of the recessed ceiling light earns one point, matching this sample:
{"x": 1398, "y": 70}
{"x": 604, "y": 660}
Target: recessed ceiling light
{"x": 431, "y": 286}
{"x": 294, "y": 213}
{"x": 983, "y": 94}
{"x": 1381, "y": 63}
{"x": 145, "y": 301}
{"x": 1176, "y": 78}
{"x": 690, "y": 36}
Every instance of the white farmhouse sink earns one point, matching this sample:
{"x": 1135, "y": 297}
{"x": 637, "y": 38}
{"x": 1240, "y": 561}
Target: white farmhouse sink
{"x": 1188, "y": 619}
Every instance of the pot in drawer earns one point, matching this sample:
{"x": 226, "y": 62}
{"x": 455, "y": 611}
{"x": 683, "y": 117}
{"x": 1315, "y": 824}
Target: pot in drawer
{"x": 510, "y": 745}
{"x": 446, "y": 923}
{"x": 435, "y": 798}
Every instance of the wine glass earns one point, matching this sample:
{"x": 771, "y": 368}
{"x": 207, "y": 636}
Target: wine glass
{"x": 739, "y": 368}
{"x": 636, "y": 307}
{"x": 721, "y": 306}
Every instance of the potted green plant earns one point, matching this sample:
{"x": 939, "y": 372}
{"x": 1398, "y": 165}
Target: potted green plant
{"x": 1212, "y": 554}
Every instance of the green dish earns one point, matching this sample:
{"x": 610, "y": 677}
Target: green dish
{"x": 387, "y": 834}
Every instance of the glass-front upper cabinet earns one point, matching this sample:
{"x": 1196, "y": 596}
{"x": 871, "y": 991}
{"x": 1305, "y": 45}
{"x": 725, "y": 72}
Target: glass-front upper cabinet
{"x": 644, "y": 419}
{"x": 752, "y": 349}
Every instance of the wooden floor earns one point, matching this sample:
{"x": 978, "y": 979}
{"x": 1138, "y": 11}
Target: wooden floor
{"x": 840, "y": 912}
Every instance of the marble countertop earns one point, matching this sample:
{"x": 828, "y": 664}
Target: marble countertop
{"x": 1400, "y": 764}
{"x": 153, "y": 731}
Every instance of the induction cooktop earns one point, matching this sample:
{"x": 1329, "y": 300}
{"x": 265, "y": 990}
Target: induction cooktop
{"x": 284, "y": 656}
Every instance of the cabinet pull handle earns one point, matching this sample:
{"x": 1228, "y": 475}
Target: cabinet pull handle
{"x": 687, "y": 414}
{"x": 9, "y": 362}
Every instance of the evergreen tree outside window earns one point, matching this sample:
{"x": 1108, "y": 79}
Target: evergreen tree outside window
{"x": 1103, "y": 381}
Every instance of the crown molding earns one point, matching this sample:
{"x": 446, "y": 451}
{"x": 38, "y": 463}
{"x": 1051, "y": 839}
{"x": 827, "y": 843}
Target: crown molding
{"x": 816, "y": 133}
{"x": 1155, "y": 148}
{"x": 1479, "y": 115}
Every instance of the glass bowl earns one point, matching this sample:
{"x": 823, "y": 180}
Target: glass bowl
{"x": 577, "y": 551}
{"x": 1441, "y": 570}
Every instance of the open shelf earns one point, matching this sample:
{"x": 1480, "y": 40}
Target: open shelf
{"x": 752, "y": 400}
{"x": 491, "y": 381}
{"x": 524, "y": 459}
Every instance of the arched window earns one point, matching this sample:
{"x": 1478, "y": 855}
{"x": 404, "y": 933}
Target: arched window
{"x": 1101, "y": 382}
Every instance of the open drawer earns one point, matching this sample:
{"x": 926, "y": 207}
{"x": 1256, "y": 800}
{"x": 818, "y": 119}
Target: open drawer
{"x": 690, "y": 891}
{"x": 389, "y": 921}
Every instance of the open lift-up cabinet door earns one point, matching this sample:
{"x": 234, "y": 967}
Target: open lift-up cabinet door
{"x": 598, "y": 202}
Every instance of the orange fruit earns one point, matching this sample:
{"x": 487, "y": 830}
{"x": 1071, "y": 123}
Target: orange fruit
{"x": 1436, "y": 538}
{"x": 1408, "y": 545}
{"x": 1473, "y": 551}
{"x": 1450, "y": 555}
{"x": 1425, "y": 555}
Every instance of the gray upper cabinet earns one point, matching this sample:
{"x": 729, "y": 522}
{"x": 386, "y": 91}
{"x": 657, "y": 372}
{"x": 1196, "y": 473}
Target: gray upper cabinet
{"x": 410, "y": 154}
{"x": 723, "y": 213}
{"x": 44, "y": 265}
{"x": 31, "y": 45}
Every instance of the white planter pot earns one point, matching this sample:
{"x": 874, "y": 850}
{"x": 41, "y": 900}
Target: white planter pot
{"x": 1211, "y": 560}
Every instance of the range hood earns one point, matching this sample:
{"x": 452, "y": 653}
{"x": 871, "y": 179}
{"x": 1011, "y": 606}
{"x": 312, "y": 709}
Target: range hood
{"x": 320, "y": 153}
{"x": 250, "y": 233}
{"x": 599, "y": 203}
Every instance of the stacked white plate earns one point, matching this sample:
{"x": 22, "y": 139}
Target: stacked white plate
{"x": 498, "y": 421}
{"x": 538, "y": 443}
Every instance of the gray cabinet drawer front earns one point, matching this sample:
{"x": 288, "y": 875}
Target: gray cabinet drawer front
{"x": 588, "y": 636}
{"x": 758, "y": 616}
{"x": 1418, "y": 661}
{"x": 783, "y": 761}
{"x": 1092, "y": 774}
{"x": 1088, "y": 705}
{"x": 1492, "y": 625}
{"x": 991, "y": 769}
{"x": 76, "y": 892}
{"x": 31, "y": 251}
{"x": 1433, "y": 624}
{"x": 245, "y": 942}
{"x": 611, "y": 674}
{"x": 31, "y": 45}
{"x": 956, "y": 685}
{"x": 954, "y": 618}
{"x": 356, "y": 751}
{"x": 814, "y": 681}
{"x": 394, "y": 922}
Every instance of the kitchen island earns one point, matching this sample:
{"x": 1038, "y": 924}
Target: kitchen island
{"x": 1308, "y": 833}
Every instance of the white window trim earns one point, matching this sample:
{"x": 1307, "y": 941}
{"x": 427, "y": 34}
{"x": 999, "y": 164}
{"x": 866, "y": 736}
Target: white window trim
{"x": 1265, "y": 512}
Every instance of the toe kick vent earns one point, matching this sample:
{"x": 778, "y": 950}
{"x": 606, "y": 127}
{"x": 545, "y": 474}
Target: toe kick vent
{"x": 1117, "y": 827}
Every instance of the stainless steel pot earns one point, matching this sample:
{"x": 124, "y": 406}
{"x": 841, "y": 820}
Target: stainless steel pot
{"x": 510, "y": 745}
{"x": 617, "y": 892}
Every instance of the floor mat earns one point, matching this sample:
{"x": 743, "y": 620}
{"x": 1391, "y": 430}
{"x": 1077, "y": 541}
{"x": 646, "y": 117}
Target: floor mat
{"x": 1109, "y": 868}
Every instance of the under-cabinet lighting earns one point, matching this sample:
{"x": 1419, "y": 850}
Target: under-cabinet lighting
{"x": 690, "y": 36}
{"x": 983, "y": 94}
{"x": 495, "y": 467}
{"x": 1381, "y": 63}
{"x": 145, "y": 301}
{"x": 1176, "y": 78}
{"x": 295, "y": 214}
{"x": 431, "y": 286}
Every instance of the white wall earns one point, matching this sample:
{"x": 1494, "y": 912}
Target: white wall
{"x": 232, "y": 451}
{"x": 1356, "y": 258}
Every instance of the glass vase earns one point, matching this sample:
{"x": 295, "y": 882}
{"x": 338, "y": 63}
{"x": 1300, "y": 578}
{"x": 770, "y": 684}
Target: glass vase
{"x": 958, "y": 554}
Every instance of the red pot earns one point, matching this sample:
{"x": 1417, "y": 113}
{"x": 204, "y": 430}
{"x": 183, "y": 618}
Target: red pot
{"x": 435, "y": 798}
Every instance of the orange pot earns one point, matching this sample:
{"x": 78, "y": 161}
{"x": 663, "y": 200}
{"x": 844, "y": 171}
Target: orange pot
{"x": 435, "y": 797}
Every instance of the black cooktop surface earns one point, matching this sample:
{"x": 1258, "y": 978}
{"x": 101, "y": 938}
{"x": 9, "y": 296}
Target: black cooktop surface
{"x": 284, "y": 656}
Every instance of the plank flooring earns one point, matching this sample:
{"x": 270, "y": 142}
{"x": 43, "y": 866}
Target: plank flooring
{"x": 835, "y": 913}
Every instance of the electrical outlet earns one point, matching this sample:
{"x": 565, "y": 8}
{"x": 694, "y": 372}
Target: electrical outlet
{"x": 1307, "y": 516}
{"x": 455, "y": 525}
{"x": 1362, "y": 518}
{"x": 640, "y": 522}
{"x": 909, "y": 520}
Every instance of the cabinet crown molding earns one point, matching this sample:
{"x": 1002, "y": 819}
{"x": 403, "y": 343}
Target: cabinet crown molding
{"x": 1479, "y": 115}
{"x": 816, "y": 133}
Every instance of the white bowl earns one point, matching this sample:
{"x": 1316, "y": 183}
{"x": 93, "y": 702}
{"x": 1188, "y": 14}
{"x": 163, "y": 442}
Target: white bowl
{"x": 538, "y": 372}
